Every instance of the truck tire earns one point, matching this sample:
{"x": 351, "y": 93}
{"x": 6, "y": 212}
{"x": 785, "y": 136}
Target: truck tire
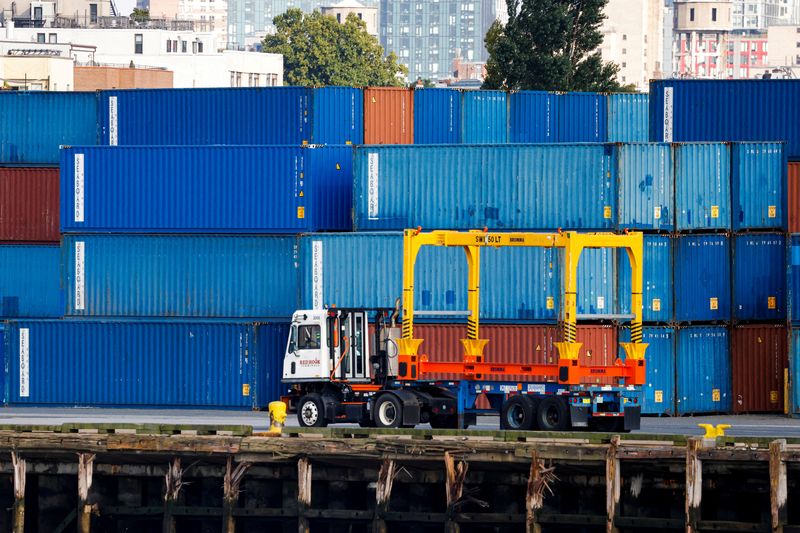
{"x": 518, "y": 413}
{"x": 552, "y": 414}
{"x": 311, "y": 411}
{"x": 388, "y": 412}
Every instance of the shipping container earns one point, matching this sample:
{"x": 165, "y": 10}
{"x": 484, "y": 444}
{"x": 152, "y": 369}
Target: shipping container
{"x": 484, "y": 117}
{"x": 338, "y": 116}
{"x": 263, "y": 115}
{"x": 703, "y": 187}
{"x": 502, "y": 187}
{"x": 759, "y": 277}
{"x": 628, "y": 118}
{"x": 657, "y": 290}
{"x": 793, "y": 201}
{"x": 29, "y": 281}
{"x": 794, "y": 369}
{"x": 703, "y": 371}
{"x": 758, "y": 184}
{"x": 646, "y": 187}
{"x": 726, "y": 111}
{"x": 180, "y": 276}
{"x": 531, "y": 117}
{"x": 517, "y": 284}
{"x": 34, "y": 124}
{"x": 702, "y": 278}
{"x": 140, "y": 363}
{"x": 758, "y": 360}
{"x": 206, "y": 189}
{"x": 437, "y": 116}
{"x": 580, "y": 117}
{"x": 794, "y": 277}
{"x": 29, "y": 204}
{"x": 388, "y": 115}
{"x": 658, "y": 392}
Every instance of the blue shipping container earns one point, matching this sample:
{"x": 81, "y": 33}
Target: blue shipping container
{"x": 34, "y": 124}
{"x": 508, "y": 187}
{"x": 726, "y": 110}
{"x": 206, "y": 189}
{"x": 794, "y": 277}
{"x": 628, "y": 118}
{"x": 658, "y": 392}
{"x": 759, "y": 277}
{"x": 338, "y": 116}
{"x": 758, "y": 182}
{"x": 580, "y": 117}
{"x": 703, "y": 370}
{"x": 703, "y": 186}
{"x": 531, "y": 117}
{"x": 265, "y": 115}
{"x": 794, "y": 365}
{"x": 646, "y": 187}
{"x": 29, "y": 281}
{"x": 437, "y": 116}
{"x": 484, "y": 117}
{"x": 658, "y": 268}
{"x": 139, "y": 363}
{"x": 702, "y": 278}
{"x": 180, "y": 276}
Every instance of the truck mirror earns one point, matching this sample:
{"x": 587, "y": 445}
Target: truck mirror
{"x": 292, "y": 347}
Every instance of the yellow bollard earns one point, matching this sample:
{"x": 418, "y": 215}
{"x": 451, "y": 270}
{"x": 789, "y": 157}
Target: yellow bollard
{"x": 277, "y": 417}
{"x": 712, "y": 432}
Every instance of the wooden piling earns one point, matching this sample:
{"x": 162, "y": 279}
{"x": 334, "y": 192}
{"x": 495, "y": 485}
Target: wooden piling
{"x": 19, "y": 492}
{"x": 173, "y": 483}
{"x": 383, "y": 493}
{"x": 230, "y": 495}
{"x": 777, "y": 486}
{"x": 303, "y": 494}
{"x": 694, "y": 484}
{"x": 612, "y": 485}
{"x": 85, "y": 470}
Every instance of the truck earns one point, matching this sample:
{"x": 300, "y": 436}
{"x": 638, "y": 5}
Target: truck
{"x": 347, "y": 365}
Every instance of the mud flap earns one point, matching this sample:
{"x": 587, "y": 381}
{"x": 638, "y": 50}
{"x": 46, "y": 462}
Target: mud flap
{"x": 579, "y": 416}
{"x": 633, "y": 417}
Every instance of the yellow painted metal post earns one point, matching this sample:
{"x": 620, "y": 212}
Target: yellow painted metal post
{"x": 635, "y": 350}
{"x": 408, "y": 345}
{"x": 473, "y": 344}
{"x": 568, "y": 349}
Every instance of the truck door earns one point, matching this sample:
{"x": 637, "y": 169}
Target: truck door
{"x": 352, "y": 359}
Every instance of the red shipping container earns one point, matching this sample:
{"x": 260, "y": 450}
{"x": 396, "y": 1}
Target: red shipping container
{"x": 793, "y": 199}
{"x": 758, "y": 358}
{"x": 29, "y": 205}
{"x": 388, "y": 115}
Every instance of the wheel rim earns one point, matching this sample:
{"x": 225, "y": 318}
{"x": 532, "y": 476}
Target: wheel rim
{"x": 552, "y": 416}
{"x": 387, "y": 413}
{"x": 515, "y": 416}
{"x": 310, "y": 413}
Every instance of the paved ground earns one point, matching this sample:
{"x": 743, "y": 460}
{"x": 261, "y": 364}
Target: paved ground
{"x": 747, "y": 425}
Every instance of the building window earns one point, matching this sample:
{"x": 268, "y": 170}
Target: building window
{"x": 37, "y": 13}
{"x": 183, "y": 46}
{"x": 138, "y": 43}
{"x": 40, "y": 37}
{"x": 339, "y": 18}
{"x": 93, "y": 13}
{"x": 714, "y": 14}
{"x": 194, "y": 47}
{"x": 256, "y": 80}
{"x": 238, "y": 79}
{"x": 169, "y": 46}
{"x": 52, "y": 38}
{"x": 624, "y": 51}
{"x": 200, "y": 47}
{"x": 691, "y": 14}
{"x": 624, "y": 64}
{"x": 624, "y": 37}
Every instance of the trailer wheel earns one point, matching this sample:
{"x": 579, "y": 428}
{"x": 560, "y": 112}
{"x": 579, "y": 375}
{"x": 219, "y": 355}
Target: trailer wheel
{"x": 388, "y": 412}
{"x": 518, "y": 413}
{"x": 552, "y": 415}
{"x": 311, "y": 411}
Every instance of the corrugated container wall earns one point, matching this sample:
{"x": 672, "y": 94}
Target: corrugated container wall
{"x": 388, "y": 115}
{"x": 628, "y": 118}
{"x": 532, "y": 117}
{"x": 794, "y": 277}
{"x": 702, "y": 278}
{"x": 484, "y": 117}
{"x": 211, "y": 189}
{"x": 34, "y": 124}
{"x": 136, "y": 363}
{"x": 758, "y": 359}
{"x": 30, "y": 281}
{"x": 265, "y": 115}
{"x": 29, "y": 204}
{"x": 271, "y": 340}
{"x": 646, "y": 187}
{"x": 703, "y": 371}
{"x": 793, "y": 197}
{"x": 759, "y": 277}
{"x": 580, "y": 117}
{"x": 794, "y": 366}
{"x": 703, "y": 186}
{"x": 437, "y": 116}
{"x": 180, "y": 276}
{"x": 338, "y": 116}
{"x": 758, "y": 180}
{"x": 658, "y": 268}
{"x": 504, "y": 187}
{"x": 658, "y": 392}
{"x": 726, "y": 110}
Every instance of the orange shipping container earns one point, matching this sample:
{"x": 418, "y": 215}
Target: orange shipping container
{"x": 794, "y": 197}
{"x": 758, "y": 359}
{"x": 388, "y": 115}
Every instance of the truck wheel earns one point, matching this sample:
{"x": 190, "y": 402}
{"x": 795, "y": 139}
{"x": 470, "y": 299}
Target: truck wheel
{"x": 311, "y": 412}
{"x": 518, "y": 413}
{"x": 551, "y": 415}
{"x": 388, "y": 412}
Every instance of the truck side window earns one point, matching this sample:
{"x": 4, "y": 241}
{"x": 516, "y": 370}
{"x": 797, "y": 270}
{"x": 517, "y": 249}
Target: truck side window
{"x": 308, "y": 337}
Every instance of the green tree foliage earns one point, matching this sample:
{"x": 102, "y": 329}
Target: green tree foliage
{"x": 549, "y": 45}
{"x": 140, "y": 15}
{"x": 319, "y": 51}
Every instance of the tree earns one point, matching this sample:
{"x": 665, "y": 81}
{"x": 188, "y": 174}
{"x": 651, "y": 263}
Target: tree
{"x": 319, "y": 51}
{"x": 140, "y": 15}
{"x": 549, "y": 45}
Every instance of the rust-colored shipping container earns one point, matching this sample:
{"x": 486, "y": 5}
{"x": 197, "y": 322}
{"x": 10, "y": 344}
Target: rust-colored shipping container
{"x": 793, "y": 197}
{"x": 388, "y": 115}
{"x": 758, "y": 359}
{"x": 29, "y": 205}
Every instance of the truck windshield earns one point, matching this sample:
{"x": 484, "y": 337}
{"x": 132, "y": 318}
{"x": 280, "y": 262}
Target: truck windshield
{"x": 308, "y": 337}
